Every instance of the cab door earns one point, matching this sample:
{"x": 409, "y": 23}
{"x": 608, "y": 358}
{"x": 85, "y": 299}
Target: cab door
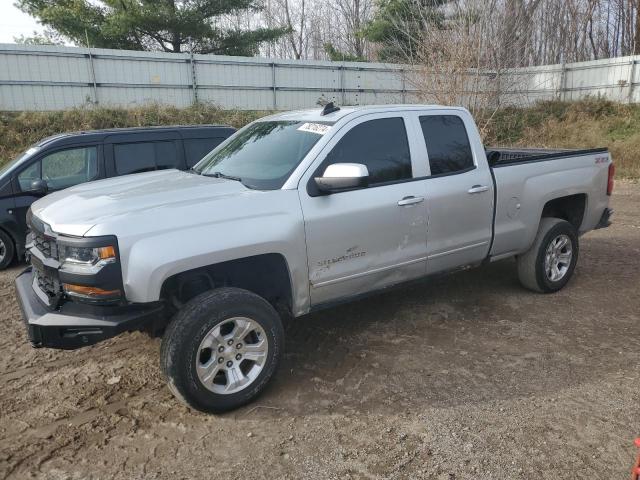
{"x": 459, "y": 191}
{"x": 367, "y": 238}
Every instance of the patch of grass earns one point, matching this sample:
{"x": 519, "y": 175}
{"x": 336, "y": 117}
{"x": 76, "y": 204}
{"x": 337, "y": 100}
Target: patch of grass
{"x": 589, "y": 123}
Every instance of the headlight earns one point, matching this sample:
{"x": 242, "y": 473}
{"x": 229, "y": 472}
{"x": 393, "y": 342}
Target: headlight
{"x": 89, "y": 269}
{"x": 86, "y": 258}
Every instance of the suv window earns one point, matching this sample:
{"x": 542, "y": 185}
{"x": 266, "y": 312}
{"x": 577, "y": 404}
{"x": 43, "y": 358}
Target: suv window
{"x": 381, "y": 145}
{"x": 144, "y": 156}
{"x": 196, "y": 148}
{"x": 447, "y": 144}
{"x": 62, "y": 169}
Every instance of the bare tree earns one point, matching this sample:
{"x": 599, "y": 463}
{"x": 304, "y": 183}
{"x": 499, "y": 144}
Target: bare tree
{"x": 351, "y": 15}
{"x": 313, "y": 24}
{"x": 523, "y": 32}
{"x": 293, "y": 16}
{"x": 636, "y": 39}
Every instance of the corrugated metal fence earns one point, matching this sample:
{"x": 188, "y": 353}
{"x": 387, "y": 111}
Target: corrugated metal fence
{"x": 54, "y": 78}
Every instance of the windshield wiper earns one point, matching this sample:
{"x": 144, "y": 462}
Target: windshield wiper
{"x": 222, "y": 175}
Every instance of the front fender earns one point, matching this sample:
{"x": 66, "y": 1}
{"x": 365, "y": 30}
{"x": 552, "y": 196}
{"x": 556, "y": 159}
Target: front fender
{"x": 152, "y": 260}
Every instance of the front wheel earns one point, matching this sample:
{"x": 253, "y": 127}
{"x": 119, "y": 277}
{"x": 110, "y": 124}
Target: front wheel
{"x": 221, "y": 349}
{"x": 549, "y": 264}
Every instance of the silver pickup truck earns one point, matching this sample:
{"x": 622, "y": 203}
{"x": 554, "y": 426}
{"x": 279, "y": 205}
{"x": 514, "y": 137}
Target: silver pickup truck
{"x": 294, "y": 213}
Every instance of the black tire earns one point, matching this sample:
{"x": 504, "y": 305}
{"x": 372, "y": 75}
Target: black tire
{"x": 182, "y": 339}
{"x": 7, "y": 250}
{"x": 531, "y": 265}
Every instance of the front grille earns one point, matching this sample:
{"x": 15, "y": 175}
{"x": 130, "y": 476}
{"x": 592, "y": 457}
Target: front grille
{"x": 46, "y": 278}
{"x": 47, "y": 284}
{"x": 47, "y": 246}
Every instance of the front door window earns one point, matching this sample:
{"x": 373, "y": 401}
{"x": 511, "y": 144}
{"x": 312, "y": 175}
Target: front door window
{"x": 62, "y": 169}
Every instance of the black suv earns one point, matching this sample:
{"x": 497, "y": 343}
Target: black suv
{"x": 71, "y": 158}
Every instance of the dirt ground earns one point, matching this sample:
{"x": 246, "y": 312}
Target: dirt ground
{"x": 468, "y": 376}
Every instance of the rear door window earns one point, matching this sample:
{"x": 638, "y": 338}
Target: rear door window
{"x": 447, "y": 144}
{"x": 144, "y": 156}
{"x": 196, "y": 148}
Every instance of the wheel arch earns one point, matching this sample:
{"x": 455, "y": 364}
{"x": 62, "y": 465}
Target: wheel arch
{"x": 266, "y": 275}
{"x": 571, "y": 208}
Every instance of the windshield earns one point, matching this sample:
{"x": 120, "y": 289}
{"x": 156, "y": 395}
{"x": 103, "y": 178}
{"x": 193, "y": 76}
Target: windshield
{"x": 6, "y": 166}
{"x": 263, "y": 155}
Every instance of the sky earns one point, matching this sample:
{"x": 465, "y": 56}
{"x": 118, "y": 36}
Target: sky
{"x": 13, "y": 22}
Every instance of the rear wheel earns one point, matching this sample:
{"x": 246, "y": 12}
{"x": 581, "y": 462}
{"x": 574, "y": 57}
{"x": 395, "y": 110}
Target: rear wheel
{"x": 221, "y": 349}
{"x": 549, "y": 264}
{"x": 7, "y": 250}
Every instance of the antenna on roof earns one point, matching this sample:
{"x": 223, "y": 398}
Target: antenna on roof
{"x": 329, "y": 108}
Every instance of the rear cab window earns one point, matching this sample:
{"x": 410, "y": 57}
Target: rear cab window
{"x": 447, "y": 144}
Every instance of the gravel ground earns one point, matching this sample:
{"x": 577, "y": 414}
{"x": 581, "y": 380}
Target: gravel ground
{"x": 467, "y": 376}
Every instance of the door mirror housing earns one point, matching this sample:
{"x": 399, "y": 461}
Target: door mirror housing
{"x": 39, "y": 186}
{"x": 343, "y": 176}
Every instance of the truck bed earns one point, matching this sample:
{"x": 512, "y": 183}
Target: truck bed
{"x": 512, "y": 156}
{"x": 526, "y": 179}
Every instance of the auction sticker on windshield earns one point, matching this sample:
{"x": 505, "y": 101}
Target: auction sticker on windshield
{"x": 318, "y": 128}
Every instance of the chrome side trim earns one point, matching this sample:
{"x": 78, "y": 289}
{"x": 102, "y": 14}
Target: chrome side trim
{"x": 368, "y": 272}
{"x": 456, "y": 250}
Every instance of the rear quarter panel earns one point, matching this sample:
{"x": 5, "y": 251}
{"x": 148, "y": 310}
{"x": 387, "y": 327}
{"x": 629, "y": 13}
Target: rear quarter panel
{"x": 523, "y": 189}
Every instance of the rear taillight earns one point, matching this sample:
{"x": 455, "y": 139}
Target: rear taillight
{"x": 612, "y": 172}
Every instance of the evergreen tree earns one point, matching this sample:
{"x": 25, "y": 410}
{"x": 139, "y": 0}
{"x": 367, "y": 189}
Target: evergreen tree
{"x": 165, "y": 25}
{"x": 397, "y": 26}
{"x": 336, "y": 55}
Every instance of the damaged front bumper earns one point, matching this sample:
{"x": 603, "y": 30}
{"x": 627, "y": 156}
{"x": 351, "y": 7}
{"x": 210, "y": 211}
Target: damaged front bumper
{"x": 74, "y": 325}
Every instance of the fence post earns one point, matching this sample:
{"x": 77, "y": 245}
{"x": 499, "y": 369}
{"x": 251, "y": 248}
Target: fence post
{"x": 404, "y": 89}
{"x": 563, "y": 80}
{"x": 342, "y": 92}
{"x": 92, "y": 69}
{"x": 632, "y": 74}
{"x": 194, "y": 77}
{"x": 93, "y": 78}
{"x": 273, "y": 85}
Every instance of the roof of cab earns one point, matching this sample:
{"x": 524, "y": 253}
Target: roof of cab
{"x": 315, "y": 114}
{"x": 90, "y": 135}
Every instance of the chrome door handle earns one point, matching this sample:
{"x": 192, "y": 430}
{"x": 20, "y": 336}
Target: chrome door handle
{"x": 410, "y": 201}
{"x": 478, "y": 189}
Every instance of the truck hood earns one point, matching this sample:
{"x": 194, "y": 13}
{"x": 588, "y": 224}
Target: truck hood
{"x": 160, "y": 194}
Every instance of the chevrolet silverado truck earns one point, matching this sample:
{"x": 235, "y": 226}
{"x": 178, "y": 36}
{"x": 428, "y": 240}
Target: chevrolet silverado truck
{"x": 293, "y": 213}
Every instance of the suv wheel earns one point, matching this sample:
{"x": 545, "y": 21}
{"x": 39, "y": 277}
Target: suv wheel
{"x": 221, "y": 349}
{"x": 549, "y": 264}
{"x": 7, "y": 250}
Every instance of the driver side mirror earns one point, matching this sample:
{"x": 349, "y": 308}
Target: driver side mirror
{"x": 39, "y": 186}
{"x": 343, "y": 176}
